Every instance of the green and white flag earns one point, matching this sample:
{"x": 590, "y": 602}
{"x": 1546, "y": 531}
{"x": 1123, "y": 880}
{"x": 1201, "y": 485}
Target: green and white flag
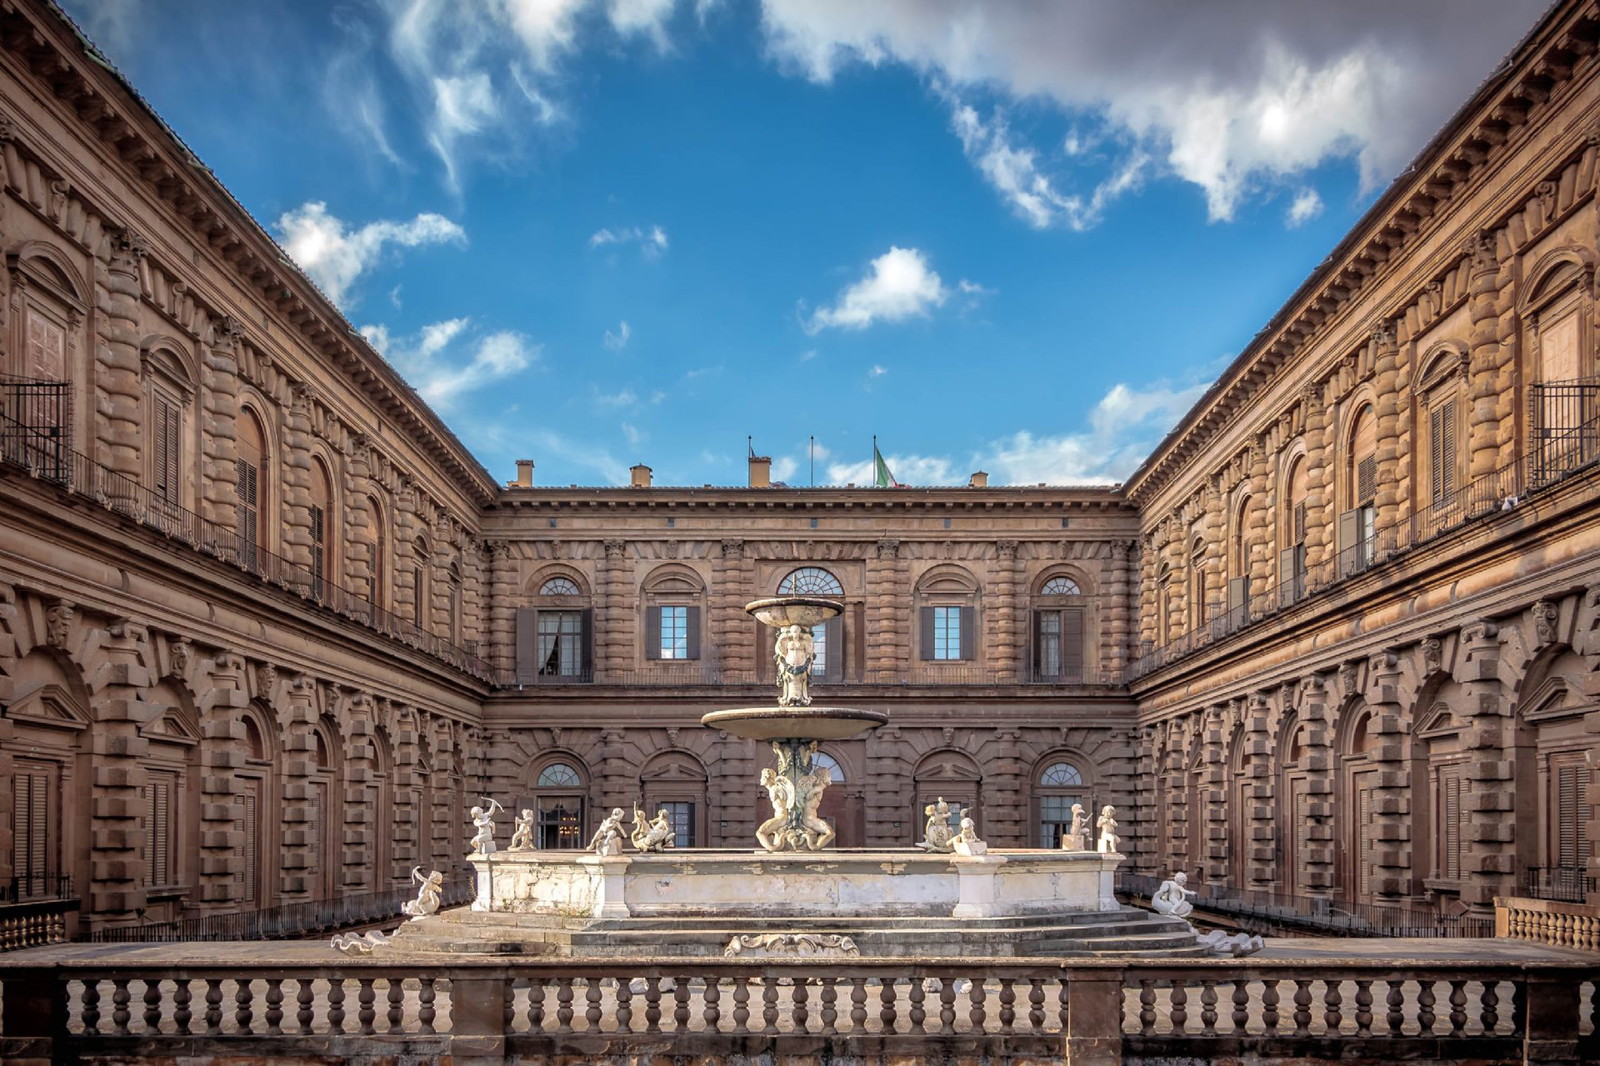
{"x": 881, "y": 478}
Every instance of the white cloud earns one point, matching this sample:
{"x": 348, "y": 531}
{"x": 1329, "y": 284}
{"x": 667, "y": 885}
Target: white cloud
{"x": 632, "y": 434}
{"x": 335, "y": 257}
{"x": 615, "y": 342}
{"x": 616, "y": 400}
{"x": 440, "y": 369}
{"x": 899, "y": 285}
{"x": 652, "y": 240}
{"x": 877, "y": 371}
{"x": 1232, "y": 95}
{"x": 1307, "y": 206}
{"x": 784, "y": 467}
{"x": 907, "y": 470}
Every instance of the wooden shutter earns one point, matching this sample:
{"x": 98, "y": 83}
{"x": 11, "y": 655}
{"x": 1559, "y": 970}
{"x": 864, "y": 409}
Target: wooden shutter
{"x": 245, "y": 489}
{"x": 1447, "y": 450}
{"x": 1349, "y": 538}
{"x": 1364, "y": 829}
{"x": 1288, "y": 576}
{"x": 1571, "y": 781}
{"x": 32, "y": 793}
{"x": 833, "y": 669}
{"x": 159, "y": 795}
{"x": 1236, "y": 592}
{"x": 1300, "y": 523}
{"x": 693, "y": 628}
{"x": 1367, "y": 480}
{"x": 248, "y": 828}
{"x": 968, "y": 617}
{"x": 166, "y": 431}
{"x": 1450, "y": 823}
{"x": 47, "y": 348}
{"x": 925, "y": 634}
{"x": 527, "y": 643}
{"x": 652, "y": 632}
{"x": 1071, "y": 642}
{"x": 1436, "y": 454}
{"x": 586, "y": 642}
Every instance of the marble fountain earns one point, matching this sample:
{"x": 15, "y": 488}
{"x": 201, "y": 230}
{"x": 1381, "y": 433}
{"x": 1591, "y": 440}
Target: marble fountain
{"x": 950, "y": 895}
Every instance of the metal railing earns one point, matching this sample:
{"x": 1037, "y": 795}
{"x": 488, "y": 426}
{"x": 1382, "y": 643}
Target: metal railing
{"x": 683, "y": 675}
{"x": 37, "y": 418}
{"x": 1565, "y": 884}
{"x": 20, "y": 446}
{"x": 287, "y": 920}
{"x": 37, "y": 886}
{"x": 1556, "y": 453}
{"x": 1279, "y": 913}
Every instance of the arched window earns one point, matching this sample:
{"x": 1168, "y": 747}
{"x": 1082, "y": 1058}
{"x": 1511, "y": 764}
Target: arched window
{"x": 323, "y": 570}
{"x": 1164, "y": 615}
{"x": 453, "y": 602}
{"x": 1292, "y": 533}
{"x": 827, "y": 762}
{"x": 558, "y": 803}
{"x": 675, "y": 782}
{"x": 1059, "y": 617}
{"x": 1238, "y": 566}
{"x": 1358, "y": 524}
{"x": 829, "y": 637}
{"x": 1057, "y": 787}
{"x": 1199, "y": 609}
{"x": 250, "y": 487}
{"x": 419, "y": 582}
{"x": 953, "y": 777}
{"x": 1441, "y": 399}
{"x": 253, "y": 785}
{"x": 168, "y": 396}
{"x": 1558, "y": 331}
{"x": 555, "y": 635}
{"x": 947, "y": 616}
{"x": 378, "y": 541}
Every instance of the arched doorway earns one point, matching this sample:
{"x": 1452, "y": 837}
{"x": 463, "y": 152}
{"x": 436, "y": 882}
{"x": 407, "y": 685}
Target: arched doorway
{"x": 1057, "y": 785}
{"x": 953, "y": 777}
{"x": 675, "y": 782}
{"x": 1358, "y": 783}
{"x": 560, "y": 790}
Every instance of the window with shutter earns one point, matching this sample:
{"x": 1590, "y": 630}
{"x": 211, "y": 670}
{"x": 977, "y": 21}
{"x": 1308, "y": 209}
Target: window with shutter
{"x": 1449, "y": 808}
{"x": 246, "y": 492}
{"x": 167, "y": 440}
{"x": 33, "y": 793}
{"x": 1448, "y": 434}
{"x": 159, "y": 793}
{"x": 1571, "y": 781}
{"x": 247, "y": 826}
{"x": 47, "y": 348}
{"x": 1299, "y": 523}
{"x": 318, "y": 546}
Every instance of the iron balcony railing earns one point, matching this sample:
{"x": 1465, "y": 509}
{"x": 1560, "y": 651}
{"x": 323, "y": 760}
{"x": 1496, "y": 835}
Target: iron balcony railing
{"x": 710, "y": 674}
{"x": 287, "y": 920}
{"x": 50, "y": 460}
{"x": 37, "y": 419}
{"x": 1563, "y": 884}
{"x": 1557, "y": 451}
{"x": 1285, "y": 914}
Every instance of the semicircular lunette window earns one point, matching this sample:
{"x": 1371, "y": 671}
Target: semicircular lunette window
{"x": 560, "y": 586}
{"x": 810, "y": 581}
{"x": 1060, "y": 586}
{"x": 559, "y": 775}
{"x": 1060, "y": 786}
{"x": 835, "y": 771}
{"x": 1060, "y": 774}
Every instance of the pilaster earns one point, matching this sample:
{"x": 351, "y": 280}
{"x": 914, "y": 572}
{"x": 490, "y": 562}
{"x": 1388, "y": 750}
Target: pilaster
{"x": 222, "y": 752}
{"x": 219, "y": 398}
{"x": 1317, "y": 758}
{"x": 1319, "y": 485}
{"x": 1389, "y": 736}
{"x": 1488, "y": 853}
{"x": 118, "y": 407}
{"x": 118, "y": 683}
{"x": 1483, "y": 387}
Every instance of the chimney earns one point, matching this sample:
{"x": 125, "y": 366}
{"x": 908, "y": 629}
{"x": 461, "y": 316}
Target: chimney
{"x": 979, "y": 480}
{"x": 524, "y": 475}
{"x": 761, "y": 471}
{"x": 641, "y": 476}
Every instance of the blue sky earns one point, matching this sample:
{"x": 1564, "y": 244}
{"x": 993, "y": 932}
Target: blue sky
{"x": 1012, "y": 236}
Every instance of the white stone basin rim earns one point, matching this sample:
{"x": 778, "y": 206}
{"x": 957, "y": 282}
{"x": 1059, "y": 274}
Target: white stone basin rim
{"x": 794, "y": 610}
{"x": 795, "y": 723}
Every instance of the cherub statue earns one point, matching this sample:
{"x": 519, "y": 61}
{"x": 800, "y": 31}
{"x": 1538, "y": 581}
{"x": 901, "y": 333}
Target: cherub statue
{"x": 483, "y": 839}
{"x": 1107, "y": 823}
{"x": 794, "y": 652}
{"x": 651, "y": 835}
{"x": 427, "y": 901}
{"x": 1077, "y": 838}
{"x": 1173, "y": 898}
{"x": 966, "y": 841}
{"x": 936, "y": 833}
{"x": 522, "y": 835}
{"x": 607, "y": 839}
{"x": 771, "y": 833}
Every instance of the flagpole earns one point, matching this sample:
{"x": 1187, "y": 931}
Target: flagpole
{"x": 813, "y": 460}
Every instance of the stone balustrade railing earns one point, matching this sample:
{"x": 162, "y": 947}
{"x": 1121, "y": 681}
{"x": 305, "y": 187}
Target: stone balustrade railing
{"x": 1547, "y": 921}
{"x": 298, "y": 1008}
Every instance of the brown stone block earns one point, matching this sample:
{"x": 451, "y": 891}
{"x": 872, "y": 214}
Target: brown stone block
{"x": 217, "y": 865}
{"x": 218, "y": 812}
{"x": 111, "y": 838}
{"x": 218, "y": 892}
{"x": 116, "y": 776}
{"x": 221, "y": 838}
{"x": 118, "y": 900}
{"x": 115, "y": 869}
{"x": 117, "y": 807}
{"x": 295, "y": 790}
{"x": 130, "y": 746}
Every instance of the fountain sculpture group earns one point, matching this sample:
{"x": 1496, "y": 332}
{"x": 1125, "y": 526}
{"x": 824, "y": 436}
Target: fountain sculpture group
{"x": 950, "y": 895}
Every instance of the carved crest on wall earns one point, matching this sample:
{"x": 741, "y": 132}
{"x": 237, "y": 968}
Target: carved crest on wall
{"x": 1546, "y": 617}
{"x": 58, "y": 619}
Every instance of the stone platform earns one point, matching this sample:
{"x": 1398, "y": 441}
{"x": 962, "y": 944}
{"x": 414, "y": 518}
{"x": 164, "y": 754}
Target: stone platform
{"x": 894, "y": 903}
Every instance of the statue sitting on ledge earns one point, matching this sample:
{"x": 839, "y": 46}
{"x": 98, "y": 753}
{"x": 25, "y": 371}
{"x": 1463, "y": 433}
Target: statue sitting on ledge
{"x": 522, "y": 835}
{"x": 428, "y": 896}
{"x": 1173, "y": 898}
{"x": 937, "y": 834}
{"x": 607, "y": 839}
{"x": 655, "y": 835}
{"x": 1077, "y": 837}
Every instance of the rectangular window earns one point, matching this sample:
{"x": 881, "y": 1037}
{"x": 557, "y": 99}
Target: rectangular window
{"x": 560, "y": 642}
{"x": 248, "y": 826}
{"x": 1442, "y": 452}
{"x": 1055, "y": 819}
{"x": 319, "y": 550}
{"x": 560, "y": 822}
{"x": 166, "y": 432}
{"x": 34, "y": 791}
{"x": 246, "y": 491}
{"x": 1058, "y": 644}
{"x": 1049, "y": 657}
{"x": 674, "y": 642}
{"x": 947, "y": 633}
{"x": 681, "y": 814}
{"x": 159, "y": 795}
{"x": 47, "y": 348}
{"x": 1448, "y": 806}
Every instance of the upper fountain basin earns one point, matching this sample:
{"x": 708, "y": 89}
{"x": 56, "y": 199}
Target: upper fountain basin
{"x": 795, "y": 723}
{"x": 795, "y": 610}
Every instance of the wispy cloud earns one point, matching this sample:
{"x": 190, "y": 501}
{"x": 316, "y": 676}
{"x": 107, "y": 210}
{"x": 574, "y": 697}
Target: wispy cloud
{"x": 619, "y": 400}
{"x": 1307, "y": 205}
{"x": 898, "y": 285}
{"x": 440, "y": 369}
{"x": 651, "y": 240}
{"x": 335, "y": 255}
{"x": 616, "y": 341}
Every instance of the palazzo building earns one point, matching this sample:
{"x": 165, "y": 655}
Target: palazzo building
{"x": 267, "y": 628}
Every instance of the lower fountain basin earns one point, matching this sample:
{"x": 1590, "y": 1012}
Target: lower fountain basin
{"x": 796, "y": 723}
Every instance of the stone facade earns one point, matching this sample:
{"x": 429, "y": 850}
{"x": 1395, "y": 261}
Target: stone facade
{"x": 267, "y": 629}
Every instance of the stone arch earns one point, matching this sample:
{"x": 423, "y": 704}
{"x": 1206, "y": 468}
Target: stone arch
{"x": 558, "y": 787}
{"x": 951, "y": 775}
{"x": 676, "y": 781}
{"x": 1554, "y": 778}
{"x": 46, "y": 763}
{"x": 545, "y": 574}
{"x": 1051, "y": 792}
{"x": 1554, "y": 272}
{"x": 42, "y": 263}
